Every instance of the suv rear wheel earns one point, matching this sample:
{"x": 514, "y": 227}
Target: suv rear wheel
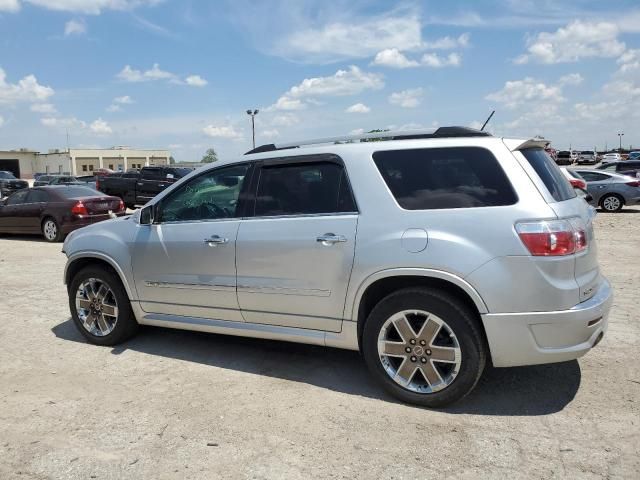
{"x": 100, "y": 307}
{"x": 424, "y": 346}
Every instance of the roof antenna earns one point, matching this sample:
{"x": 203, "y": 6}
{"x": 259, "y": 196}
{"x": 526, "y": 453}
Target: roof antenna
{"x": 487, "y": 120}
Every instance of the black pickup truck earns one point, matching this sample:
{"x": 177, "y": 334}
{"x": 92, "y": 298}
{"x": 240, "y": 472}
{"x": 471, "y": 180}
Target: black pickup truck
{"x": 137, "y": 188}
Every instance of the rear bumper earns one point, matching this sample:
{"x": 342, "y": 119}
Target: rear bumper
{"x": 547, "y": 337}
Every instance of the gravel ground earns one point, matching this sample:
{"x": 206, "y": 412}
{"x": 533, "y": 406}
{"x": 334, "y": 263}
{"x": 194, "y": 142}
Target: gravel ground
{"x": 172, "y": 404}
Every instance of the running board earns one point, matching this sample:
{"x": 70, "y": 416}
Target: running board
{"x": 347, "y": 339}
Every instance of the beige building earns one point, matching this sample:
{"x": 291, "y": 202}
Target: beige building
{"x": 25, "y": 163}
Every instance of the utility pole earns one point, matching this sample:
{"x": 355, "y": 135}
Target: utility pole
{"x": 620, "y": 135}
{"x": 252, "y": 114}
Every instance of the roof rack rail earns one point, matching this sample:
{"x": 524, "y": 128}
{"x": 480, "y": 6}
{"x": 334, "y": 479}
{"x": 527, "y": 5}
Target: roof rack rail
{"x": 441, "y": 132}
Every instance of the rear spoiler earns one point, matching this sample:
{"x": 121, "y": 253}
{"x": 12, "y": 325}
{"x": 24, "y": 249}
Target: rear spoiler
{"x": 515, "y": 144}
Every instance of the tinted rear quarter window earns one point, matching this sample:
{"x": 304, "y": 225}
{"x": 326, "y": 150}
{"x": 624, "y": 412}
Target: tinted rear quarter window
{"x": 437, "y": 178}
{"x": 550, "y": 174}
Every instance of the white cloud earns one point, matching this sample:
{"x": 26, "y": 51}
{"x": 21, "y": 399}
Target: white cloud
{"x": 518, "y": 92}
{"x": 100, "y": 127}
{"x": 90, "y": 7}
{"x": 358, "y": 108}
{"x": 353, "y": 39}
{"x": 114, "y": 108}
{"x": 26, "y": 90}
{"x": 225, "y": 131}
{"x": 410, "y": 98}
{"x": 75, "y": 27}
{"x": 272, "y": 133}
{"x": 43, "y": 108}
{"x": 342, "y": 83}
{"x": 357, "y": 131}
{"x": 433, "y": 60}
{"x": 1, "y": 121}
{"x": 129, "y": 74}
{"x": 575, "y": 41}
{"x": 124, "y": 100}
{"x": 571, "y": 79}
{"x": 629, "y": 62}
{"x": 195, "y": 81}
{"x": 394, "y": 58}
{"x": 9, "y": 6}
{"x": 70, "y": 122}
{"x": 284, "y": 120}
{"x": 155, "y": 73}
{"x": 448, "y": 43}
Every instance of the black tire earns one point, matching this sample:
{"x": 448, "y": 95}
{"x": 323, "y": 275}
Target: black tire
{"x": 51, "y": 230}
{"x": 459, "y": 319}
{"x": 126, "y": 325}
{"x": 611, "y": 196}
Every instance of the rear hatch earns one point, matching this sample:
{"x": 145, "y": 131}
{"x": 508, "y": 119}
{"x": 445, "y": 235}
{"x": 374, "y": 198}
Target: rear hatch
{"x": 562, "y": 198}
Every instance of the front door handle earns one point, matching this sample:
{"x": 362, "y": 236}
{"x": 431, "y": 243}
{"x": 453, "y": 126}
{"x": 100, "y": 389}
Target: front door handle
{"x": 329, "y": 239}
{"x": 215, "y": 240}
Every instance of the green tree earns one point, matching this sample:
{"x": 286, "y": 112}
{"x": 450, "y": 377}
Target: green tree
{"x": 172, "y": 160}
{"x": 375, "y": 139}
{"x": 210, "y": 156}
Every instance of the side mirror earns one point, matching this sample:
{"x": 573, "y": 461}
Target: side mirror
{"x": 146, "y": 215}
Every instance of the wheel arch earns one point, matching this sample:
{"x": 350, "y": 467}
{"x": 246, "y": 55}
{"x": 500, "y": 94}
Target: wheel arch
{"x": 75, "y": 264}
{"x": 381, "y": 284}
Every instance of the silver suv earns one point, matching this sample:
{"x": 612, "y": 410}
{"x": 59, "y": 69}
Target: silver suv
{"x": 431, "y": 252}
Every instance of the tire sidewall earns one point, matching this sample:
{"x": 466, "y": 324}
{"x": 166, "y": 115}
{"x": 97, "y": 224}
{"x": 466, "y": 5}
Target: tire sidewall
{"x": 125, "y": 323}
{"x": 459, "y": 319}
{"x": 58, "y": 236}
{"x": 610, "y": 196}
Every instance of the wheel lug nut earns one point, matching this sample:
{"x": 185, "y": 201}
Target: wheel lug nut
{"x": 428, "y": 352}
{"x": 423, "y": 360}
{"x": 423, "y": 343}
{"x": 412, "y": 341}
{"x": 408, "y": 350}
{"x": 413, "y": 359}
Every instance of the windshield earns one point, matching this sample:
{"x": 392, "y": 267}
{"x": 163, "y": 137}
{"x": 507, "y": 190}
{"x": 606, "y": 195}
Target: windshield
{"x": 6, "y": 176}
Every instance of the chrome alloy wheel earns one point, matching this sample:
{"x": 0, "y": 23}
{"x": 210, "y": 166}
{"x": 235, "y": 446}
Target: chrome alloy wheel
{"x": 611, "y": 203}
{"x": 419, "y": 351}
{"x": 96, "y": 307}
{"x": 50, "y": 230}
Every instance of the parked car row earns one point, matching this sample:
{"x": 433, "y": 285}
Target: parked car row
{"x": 10, "y": 184}
{"x": 605, "y": 189}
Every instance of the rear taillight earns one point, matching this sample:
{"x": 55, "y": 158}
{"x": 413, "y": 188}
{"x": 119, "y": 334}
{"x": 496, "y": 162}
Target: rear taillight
{"x": 79, "y": 209}
{"x": 121, "y": 207}
{"x": 553, "y": 237}
{"x": 577, "y": 183}
{"x": 633, "y": 184}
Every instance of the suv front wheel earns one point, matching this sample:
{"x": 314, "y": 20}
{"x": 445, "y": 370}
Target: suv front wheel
{"x": 100, "y": 307}
{"x": 424, "y": 346}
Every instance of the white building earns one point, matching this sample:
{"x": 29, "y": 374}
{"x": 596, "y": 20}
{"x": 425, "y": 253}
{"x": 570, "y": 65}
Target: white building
{"x": 25, "y": 163}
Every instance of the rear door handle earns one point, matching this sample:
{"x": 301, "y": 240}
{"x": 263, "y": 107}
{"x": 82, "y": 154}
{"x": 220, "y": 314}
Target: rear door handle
{"x": 215, "y": 240}
{"x": 329, "y": 239}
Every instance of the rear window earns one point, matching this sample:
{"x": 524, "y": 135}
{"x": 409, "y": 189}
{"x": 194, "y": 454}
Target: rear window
{"x": 75, "y": 192}
{"x": 549, "y": 173}
{"x": 437, "y": 178}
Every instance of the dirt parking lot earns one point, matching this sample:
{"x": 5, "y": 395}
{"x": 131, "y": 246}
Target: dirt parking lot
{"x": 172, "y": 404}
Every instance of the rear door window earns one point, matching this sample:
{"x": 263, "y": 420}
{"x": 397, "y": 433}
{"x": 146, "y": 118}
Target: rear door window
{"x": 151, "y": 174}
{"x": 37, "y": 196}
{"x": 437, "y": 178}
{"x": 303, "y": 189}
{"x": 594, "y": 176}
{"x": 549, "y": 173}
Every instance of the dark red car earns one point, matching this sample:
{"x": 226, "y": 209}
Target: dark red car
{"x": 54, "y": 211}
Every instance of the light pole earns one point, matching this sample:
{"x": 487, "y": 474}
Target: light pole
{"x": 252, "y": 114}
{"x": 620, "y": 135}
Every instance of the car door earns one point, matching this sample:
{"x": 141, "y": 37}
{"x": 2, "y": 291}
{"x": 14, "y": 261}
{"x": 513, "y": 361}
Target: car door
{"x": 184, "y": 262}
{"x": 597, "y": 183}
{"x": 13, "y": 212}
{"x": 30, "y": 212}
{"x": 295, "y": 249}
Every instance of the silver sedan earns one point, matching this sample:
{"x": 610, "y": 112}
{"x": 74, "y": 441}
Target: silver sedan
{"x": 611, "y": 191}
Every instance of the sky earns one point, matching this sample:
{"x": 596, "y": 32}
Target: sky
{"x": 180, "y": 74}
